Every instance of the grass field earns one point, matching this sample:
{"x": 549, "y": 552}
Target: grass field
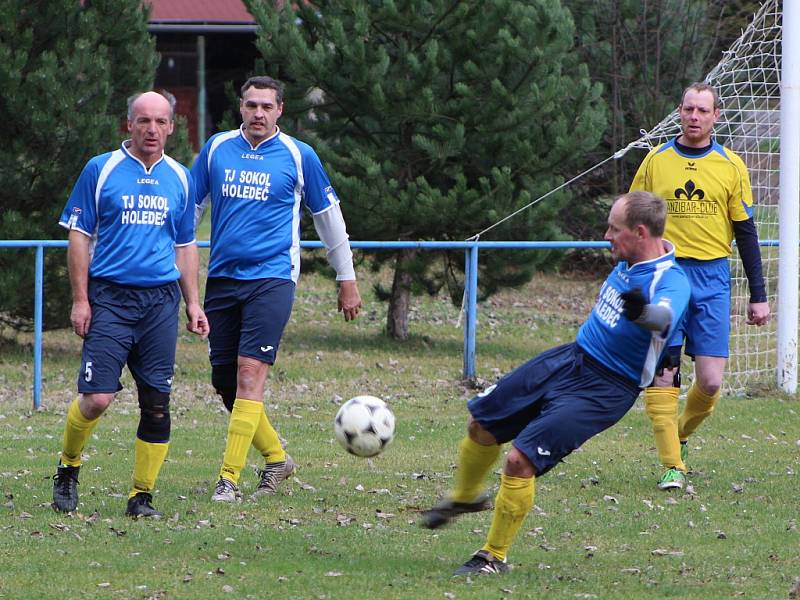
{"x": 347, "y": 528}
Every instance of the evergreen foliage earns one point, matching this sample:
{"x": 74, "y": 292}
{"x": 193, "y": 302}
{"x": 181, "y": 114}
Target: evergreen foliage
{"x": 66, "y": 70}
{"x": 435, "y": 119}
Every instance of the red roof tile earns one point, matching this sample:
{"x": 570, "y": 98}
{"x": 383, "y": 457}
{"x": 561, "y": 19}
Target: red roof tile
{"x": 199, "y": 11}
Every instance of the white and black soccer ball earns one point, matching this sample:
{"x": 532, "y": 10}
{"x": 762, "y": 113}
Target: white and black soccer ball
{"x": 364, "y": 425}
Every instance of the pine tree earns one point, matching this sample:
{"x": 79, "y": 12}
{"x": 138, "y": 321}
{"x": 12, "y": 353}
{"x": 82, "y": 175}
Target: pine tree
{"x": 435, "y": 119}
{"x": 66, "y": 70}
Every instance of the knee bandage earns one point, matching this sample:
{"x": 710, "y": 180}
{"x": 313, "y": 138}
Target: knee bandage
{"x": 671, "y": 360}
{"x": 154, "y": 419}
{"x": 223, "y": 378}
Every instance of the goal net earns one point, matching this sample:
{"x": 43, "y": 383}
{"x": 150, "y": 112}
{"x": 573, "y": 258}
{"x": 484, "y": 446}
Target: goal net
{"x": 748, "y": 81}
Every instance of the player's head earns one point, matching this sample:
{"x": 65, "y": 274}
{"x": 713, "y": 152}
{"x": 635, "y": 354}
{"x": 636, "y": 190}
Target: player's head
{"x": 169, "y": 97}
{"x": 635, "y": 226}
{"x": 261, "y": 105}
{"x": 150, "y": 123}
{"x": 699, "y": 110}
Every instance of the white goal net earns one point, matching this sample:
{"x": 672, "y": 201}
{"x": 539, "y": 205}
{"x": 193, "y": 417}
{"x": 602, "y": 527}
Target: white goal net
{"x": 748, "y": 81}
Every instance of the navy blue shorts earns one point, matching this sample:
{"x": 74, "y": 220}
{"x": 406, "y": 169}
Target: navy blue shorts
{"x": 553, "y": 403}
{"x": 137, "y": 326}
{"x": 707, "y": 325}
{"x": 247, "y": 318}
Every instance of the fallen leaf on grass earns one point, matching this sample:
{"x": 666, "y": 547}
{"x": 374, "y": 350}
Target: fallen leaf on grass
{"x": 342, "y": 520}
{"x": 547, "y": 548}
{"x": 663, "y": 552}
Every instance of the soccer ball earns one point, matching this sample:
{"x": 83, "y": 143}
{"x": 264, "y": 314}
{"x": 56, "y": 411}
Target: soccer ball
{"x": 364, "y": 425}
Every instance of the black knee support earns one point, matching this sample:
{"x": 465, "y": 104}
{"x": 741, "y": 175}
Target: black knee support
{"x": 154, "y": 420}
{"x": 671, "y": 360}
{"x": 223, "y": 378}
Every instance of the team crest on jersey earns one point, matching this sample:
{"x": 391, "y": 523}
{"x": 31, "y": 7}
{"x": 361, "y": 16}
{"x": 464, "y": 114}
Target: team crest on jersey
{"x": 76, "y": 210}
{"x": 690, "y": 191}
{"x": 690, "y": 201}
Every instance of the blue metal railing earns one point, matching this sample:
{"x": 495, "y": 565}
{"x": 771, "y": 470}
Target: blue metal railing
{"x": 470, "y": 300}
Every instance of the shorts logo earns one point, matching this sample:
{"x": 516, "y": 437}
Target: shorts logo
{"x": 487, "y": 391}
{"x": 267, "y": 348}
{"x": 543, "y": 452}
{"x": 169, "y": 380}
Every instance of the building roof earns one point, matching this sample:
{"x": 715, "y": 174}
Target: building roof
{"x": 199, "y": 15}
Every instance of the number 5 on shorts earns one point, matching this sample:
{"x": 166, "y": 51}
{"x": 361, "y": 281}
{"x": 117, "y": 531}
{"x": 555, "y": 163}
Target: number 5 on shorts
{"x": 87, "y": 372}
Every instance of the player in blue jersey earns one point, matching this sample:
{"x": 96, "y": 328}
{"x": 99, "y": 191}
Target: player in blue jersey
{"x": 131, "y": 254}
{"x": 552, "y": 404}
{"x": 710, "y": 202}
{"x": 257, "y": 180}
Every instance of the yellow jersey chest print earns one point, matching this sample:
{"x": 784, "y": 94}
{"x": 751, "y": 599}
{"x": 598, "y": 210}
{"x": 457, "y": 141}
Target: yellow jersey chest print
{"x": 704, "y": 194}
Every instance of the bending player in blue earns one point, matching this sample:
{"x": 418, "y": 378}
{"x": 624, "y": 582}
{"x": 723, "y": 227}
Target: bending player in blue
{"x": 131, "y": 247}
{"x": 257, "y": 180}
{"x": 552, "y": 404}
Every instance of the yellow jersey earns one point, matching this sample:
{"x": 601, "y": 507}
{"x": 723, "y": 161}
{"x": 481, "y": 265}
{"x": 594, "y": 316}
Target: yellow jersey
{"x": 704, "y": 195}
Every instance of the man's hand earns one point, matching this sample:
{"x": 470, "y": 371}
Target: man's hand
{"x": 758, "y": 313}
{"x": 197, "y": 321}
{"x": 633, "y": 303}
{"x": 349, "y": 300}
{"x": 81, "y": 317}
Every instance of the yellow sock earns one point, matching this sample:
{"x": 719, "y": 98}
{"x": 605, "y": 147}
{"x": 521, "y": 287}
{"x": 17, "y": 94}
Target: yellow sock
{"x": 241, "y": 428}
{"x": 699, "y": 405}
{"x": 147, "y": 460}
{"x": 661, "y": 405}
{"x": 474, "y": 462}
{"x": 267, "y": 441}
{"x": 513, "y": 502}
{"x": 76, "y": 431}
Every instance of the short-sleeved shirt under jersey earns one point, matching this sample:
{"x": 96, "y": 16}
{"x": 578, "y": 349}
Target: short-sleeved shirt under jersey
{"x": 135, "y": 217}
{"x": 256, "y": 195}
{"x": 704, "y": 195}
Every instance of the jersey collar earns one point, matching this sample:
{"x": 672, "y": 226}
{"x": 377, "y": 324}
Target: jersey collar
{"x": 669, "y": 253}
{"x": 262, "y": 142}
{"x": 127, "y": 152}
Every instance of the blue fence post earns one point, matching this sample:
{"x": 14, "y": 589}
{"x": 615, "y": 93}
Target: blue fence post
{"x": 37, "y": 327}
{"x": 471, "y": 292}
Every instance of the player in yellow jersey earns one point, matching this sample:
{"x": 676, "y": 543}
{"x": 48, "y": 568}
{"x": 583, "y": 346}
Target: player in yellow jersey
{"x": 710, "y": 202}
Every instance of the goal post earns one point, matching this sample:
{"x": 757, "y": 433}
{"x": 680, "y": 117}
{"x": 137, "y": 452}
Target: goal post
{"x": 789, "y": 219}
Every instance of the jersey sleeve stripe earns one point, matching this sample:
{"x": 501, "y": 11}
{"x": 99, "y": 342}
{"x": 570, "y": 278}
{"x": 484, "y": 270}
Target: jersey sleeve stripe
{"x": 222, "y": 137}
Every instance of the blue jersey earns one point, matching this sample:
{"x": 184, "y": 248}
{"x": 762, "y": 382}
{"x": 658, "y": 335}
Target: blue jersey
{"x": 621, "y": 345}
{"x": 134, "y": 216}
{"x": 256, "y": 196}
